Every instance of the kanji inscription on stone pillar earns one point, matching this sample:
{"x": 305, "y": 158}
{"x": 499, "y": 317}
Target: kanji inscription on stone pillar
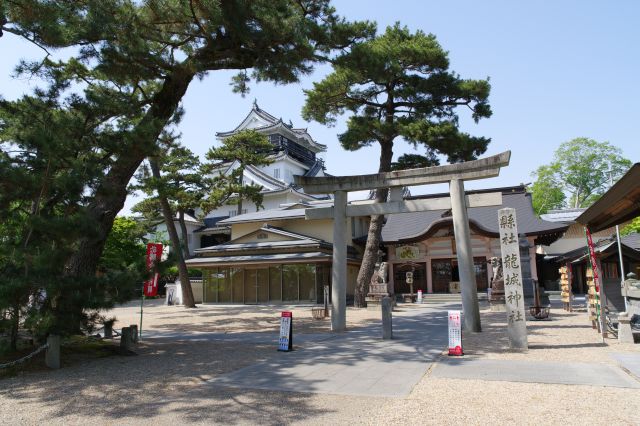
{"x": 513, "y": 293}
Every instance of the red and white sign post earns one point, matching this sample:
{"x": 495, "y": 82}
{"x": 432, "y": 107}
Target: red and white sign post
{"x": 455, "y": 334}
{"x": 150, "y": 287}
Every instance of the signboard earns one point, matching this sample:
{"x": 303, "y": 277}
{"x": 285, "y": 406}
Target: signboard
{"x": 407, "y": 252}
{"x": 455, "y": 334}
{"x": 513, "y": 293}
{"x": 154, "y": 253}
{"x": 409, "y": 278}
{"x": 419, "y": 299}
{"x": 285, "y": 343}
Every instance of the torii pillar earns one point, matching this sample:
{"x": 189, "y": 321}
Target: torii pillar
{"x": 458, "y": 202}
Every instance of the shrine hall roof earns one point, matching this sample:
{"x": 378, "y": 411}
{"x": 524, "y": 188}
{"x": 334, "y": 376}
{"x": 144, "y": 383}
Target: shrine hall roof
{"x": 416, "y": 226}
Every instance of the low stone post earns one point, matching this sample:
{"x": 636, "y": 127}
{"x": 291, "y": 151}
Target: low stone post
{"x": 108, "y": 330}
{"x": 387, "y": 328}
{"x": 52, "y": 355}
{"x": 126, "y": 339}
{"x": 134, "y": 333}
{"x": 625, "y": 334}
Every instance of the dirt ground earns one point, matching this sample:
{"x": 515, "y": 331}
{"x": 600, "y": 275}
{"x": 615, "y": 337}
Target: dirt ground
{"x": 166, "y": 382}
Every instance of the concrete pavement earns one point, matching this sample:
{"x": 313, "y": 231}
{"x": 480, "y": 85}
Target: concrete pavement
{"x": 534, "y": 372}
{"x": 356, "y": 362}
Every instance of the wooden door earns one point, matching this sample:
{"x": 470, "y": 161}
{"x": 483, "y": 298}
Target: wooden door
{"x": 441, "y": 275}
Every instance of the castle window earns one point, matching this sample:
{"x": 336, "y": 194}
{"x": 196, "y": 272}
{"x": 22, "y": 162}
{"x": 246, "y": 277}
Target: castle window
{"x": 276, "y": 173}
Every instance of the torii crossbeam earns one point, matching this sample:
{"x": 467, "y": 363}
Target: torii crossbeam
{"x": 455, "y": 174}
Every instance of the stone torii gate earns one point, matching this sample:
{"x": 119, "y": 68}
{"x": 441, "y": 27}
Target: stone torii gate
{"x": 455, "y": 174}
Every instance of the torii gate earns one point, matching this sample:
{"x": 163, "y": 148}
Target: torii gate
{"x": 455, "y": 174}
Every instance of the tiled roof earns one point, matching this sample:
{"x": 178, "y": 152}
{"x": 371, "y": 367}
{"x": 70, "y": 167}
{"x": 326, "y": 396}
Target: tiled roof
{"x": 280, "y": 213}
{"x": 413, "y": 226}
{"x": 631, "y": 240}
{"x": 564, "y": 215}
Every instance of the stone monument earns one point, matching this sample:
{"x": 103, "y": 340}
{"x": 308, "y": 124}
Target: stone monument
{"x": 378, "y": 287}
{"x": 514, "y": 294}
{"x": 496, "y": 298}
{"x": 631, "y": 292}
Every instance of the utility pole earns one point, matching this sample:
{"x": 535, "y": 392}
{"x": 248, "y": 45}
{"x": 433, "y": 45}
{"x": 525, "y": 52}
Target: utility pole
{"x": 626, "y": 303}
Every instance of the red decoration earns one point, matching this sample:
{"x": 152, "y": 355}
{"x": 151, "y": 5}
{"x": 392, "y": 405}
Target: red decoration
{"x": 154, "y": 254}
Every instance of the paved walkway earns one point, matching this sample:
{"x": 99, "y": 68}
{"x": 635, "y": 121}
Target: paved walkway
{"x": 630, "y": 362}
{"x": 357, "y": 362}
{"x": 534, "y": 372}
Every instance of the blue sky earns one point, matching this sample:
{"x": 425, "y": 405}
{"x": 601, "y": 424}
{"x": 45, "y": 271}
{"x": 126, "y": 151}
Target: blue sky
{"x": 558, "y": 70}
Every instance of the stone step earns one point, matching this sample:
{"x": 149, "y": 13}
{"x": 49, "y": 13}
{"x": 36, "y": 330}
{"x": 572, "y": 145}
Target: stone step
{"x": 447, "y": 297}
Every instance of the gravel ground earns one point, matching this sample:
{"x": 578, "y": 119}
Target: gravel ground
{"x": 565, "y": 337}
{"x": 166, "y": 382}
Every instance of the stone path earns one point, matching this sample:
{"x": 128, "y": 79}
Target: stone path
{"x": 357, "y": 362}
{"x": 630, "y": 362}
{"x": 535, "y": 372}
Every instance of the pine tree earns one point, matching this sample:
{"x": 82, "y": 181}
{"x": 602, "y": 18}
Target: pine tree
{"x": 398, "y": 85}
{"x": 134, "y": 65}
{"x": 174, "y": 181}
{"x": 226, "y": 165}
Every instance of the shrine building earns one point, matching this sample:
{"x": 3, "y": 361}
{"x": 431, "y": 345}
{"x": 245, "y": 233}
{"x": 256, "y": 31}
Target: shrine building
{"x": 276, "y": 256}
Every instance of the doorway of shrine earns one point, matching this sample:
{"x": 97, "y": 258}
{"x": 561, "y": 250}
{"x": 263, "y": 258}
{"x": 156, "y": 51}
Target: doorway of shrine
{"x": 400, "y": 284}
{"x": 445, "y": 271}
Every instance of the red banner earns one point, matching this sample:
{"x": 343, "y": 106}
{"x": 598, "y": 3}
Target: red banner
{"x": 154, "y": 254}
{"x": 592, "y": 257}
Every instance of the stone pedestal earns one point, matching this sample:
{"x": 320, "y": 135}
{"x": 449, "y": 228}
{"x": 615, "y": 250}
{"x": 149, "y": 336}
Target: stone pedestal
{"x": 498, "y": 306}
{"x": 134, "y": 332}
{"x": 625, "y": 335}
{"x": 52, "y": 355}
{"x": 126, "y": 339}
{"x": 108, "y": 330}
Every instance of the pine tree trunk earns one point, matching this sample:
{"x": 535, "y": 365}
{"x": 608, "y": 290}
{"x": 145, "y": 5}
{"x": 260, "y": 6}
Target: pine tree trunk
{"x": 15, "y": 325}
{"x": 185, "y": 239}
{"x": 239, "y": 211}
{"x": 375, "y": 233}
{"x": 112, "y": 191}
{"x": 183, "y": 273}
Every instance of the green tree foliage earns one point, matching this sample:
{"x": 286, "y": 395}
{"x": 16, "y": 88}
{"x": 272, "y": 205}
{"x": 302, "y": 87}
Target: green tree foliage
{"x": 226, "y": 165}
{"x": 582, "y": 170}
{"x": 131, "y": 65}
{"x": 631, "y": 228}
{"x": 124, "y": 248}
{"x": 546, "y": 191}
{"x": 182, "y": 183}
{"x": 398, "y": 85}
{"x": 48, "y": 164}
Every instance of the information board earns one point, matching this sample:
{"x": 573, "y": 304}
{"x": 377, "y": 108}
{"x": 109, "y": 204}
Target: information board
{"x": 455, "y": 334}
{"x": 285, "y": 342}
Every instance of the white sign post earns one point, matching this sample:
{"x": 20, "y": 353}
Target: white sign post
{"x": 285, "y": 343}
{"x": 513, "y": 293}
{"x": 455, "y": 334}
